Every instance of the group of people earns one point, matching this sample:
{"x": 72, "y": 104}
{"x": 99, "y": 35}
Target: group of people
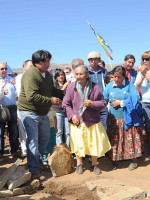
{"x": 94, "y": 111}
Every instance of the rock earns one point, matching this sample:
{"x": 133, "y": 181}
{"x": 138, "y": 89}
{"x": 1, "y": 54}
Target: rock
{"x": 148, "y": 194}
{"x": 5, "y": 176}
{"x": 19, "y": 177}
{"x": 61, "y": 161}
{"x": 111, "y": 189}
{"x": 29, "y": 189}
{"x": 6, "y": 193}
{"x": 142, "y": 195}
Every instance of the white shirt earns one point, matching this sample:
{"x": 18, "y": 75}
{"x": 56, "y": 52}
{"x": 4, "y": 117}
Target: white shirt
{"x": 18, "y": 84}
{"x": 145, "y": 88}
{"x": 71, "y": 77}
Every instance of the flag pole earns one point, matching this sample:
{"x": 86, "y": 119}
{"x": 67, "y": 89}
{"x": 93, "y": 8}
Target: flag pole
{"x": 110, "y": 62}
{"x": 103, "y": 43}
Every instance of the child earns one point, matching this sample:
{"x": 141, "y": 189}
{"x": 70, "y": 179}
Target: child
{"x": 110, "y": 76}
{"x": 53, "y": 131}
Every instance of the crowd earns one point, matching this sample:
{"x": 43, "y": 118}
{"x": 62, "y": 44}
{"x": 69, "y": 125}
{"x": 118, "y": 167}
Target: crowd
{"x": 94, "y": 111}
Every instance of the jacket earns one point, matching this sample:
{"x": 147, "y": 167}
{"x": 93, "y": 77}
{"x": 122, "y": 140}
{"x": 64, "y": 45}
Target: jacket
{"x": 132, "y": 111}
{"x": 98, "y": 77}
{"x": 72, "y": 101}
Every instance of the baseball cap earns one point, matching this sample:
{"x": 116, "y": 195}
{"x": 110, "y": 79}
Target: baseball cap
{"x": 93, "y": 54}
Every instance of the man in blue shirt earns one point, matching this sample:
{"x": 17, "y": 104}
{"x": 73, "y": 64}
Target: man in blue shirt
{"x": 8, "y": 99}
{"x": 98, "y": 75}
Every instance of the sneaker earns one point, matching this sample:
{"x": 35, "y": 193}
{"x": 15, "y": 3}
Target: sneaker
{"x": 38, "y": 175}
{"x": 24, "y": 160}
{"x": 133, "y": 166}
{"x": 1, "y": 155}
{"x": 96, "y": 170}
{"x": 146, "y": 159}
{"x": 89, "y": 160}
{"x": 79, "y": 169}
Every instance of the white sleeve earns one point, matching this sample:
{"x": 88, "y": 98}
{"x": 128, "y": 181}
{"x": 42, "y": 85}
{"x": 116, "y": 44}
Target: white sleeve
{"x": 138, "y": 77}
{"x": 1, "y": 92}
{"x": 1, "y": 89}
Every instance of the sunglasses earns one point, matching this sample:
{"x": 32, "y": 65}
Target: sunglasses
{"x": 3, "y": 69}
{"x": 91, "y": 59}
{"x": 147, "y": 59}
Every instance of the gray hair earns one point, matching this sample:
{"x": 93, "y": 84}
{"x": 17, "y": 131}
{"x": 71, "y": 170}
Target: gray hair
{"x": 76, "y": 62}
{"x": 84, "y": 68}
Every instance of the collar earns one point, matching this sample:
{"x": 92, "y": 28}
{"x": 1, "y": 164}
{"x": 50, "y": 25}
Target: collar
{"x": 99, "y": 69}
{"x": 123, "y": 83}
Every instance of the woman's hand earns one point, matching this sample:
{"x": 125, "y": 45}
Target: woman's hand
{"x": 88, "y": 103}
{"x": 116, "y": 103}
{"x": 75, "y": 120}
{"x": 143, "y": 70}
{"x": 66, "y": 85}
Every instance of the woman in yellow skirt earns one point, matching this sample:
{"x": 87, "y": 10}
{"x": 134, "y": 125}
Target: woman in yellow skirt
{"x": 82, "y": 103}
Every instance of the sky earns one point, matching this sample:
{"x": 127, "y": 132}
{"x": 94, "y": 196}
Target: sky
{"x": 60, "y": 27}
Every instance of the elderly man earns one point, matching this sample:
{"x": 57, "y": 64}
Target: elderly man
{"x": 22, "y": 134}
{"x": 36, "y": 97}
{"x": 97, "y": 75}
{"x": 75, "y": 63}
{"x": 8, "y": 99}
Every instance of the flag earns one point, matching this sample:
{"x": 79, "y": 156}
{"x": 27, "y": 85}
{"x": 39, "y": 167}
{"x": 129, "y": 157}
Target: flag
{"x": 102, "y": 42}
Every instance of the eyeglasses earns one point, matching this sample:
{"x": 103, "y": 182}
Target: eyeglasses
{"x": 146, "y": 59}
{"x": 67, "y": 72}
{"x": 3, "y": 69}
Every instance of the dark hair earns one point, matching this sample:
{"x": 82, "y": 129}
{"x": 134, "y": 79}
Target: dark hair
{"x": 121, "y": 70}
{"x": 103, "y": 63}
{"x": 40, "y": 55}
{"x": 108, "y": 75}
{"x": 57, "y": 74}
{"x": 25, "y": 62}
{"x": 129, "y": 56}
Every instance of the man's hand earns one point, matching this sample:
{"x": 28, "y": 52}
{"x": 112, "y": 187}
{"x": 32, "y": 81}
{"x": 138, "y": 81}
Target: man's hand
{"x": 13, "y": 81}
{"x": 75, "y": 120}
{"x": 3, "y": 84}
{"x": 88, "y": 103}
{"x": 6, "y": 92}
{"x": 56, "y": 101}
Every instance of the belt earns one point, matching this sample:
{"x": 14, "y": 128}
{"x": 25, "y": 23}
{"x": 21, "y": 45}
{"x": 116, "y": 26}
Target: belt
{"x": 10, "y": 106}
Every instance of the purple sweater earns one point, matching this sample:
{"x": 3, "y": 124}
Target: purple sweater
{"x": 72, "y": 102}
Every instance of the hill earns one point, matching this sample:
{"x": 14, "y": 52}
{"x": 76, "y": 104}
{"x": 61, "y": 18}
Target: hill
{"x": 63, "y": 65}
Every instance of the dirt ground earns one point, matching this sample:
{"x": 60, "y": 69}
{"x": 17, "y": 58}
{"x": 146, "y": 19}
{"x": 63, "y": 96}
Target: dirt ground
{"x": 73, "y": 186}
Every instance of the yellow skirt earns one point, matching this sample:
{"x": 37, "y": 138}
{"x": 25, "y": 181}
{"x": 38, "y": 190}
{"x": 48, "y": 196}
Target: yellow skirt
{"x": 91, "y": 141}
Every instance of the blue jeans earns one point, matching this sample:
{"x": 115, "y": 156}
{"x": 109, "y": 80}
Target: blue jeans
{"x": 103, "y": 117}
{"x": 62, "y": 127}
{"x": 146, "y": 109}
{"x": 13, "y": 131}
{"x": 51, "y": 144}
{"x": 37, "y": 129}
